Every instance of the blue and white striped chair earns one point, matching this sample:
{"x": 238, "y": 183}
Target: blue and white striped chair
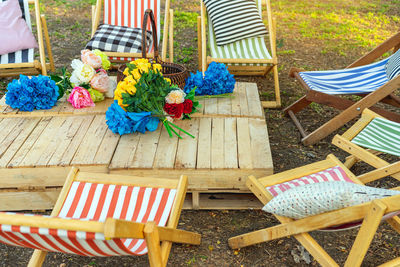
{"x": 23, "y": 61}
{"x": 364, "y": 77}
{"x": 249, "y": 56}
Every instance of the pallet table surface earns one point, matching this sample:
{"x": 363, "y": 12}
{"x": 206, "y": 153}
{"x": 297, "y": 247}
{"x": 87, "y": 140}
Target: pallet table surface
{"x": 37, "y": 151}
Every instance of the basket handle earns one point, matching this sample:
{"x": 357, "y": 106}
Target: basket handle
{"x": 154, "y": 32}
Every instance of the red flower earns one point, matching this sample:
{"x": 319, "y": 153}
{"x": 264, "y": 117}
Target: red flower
{"x": 175, "y": 110}
{"x": 187, "y": 106}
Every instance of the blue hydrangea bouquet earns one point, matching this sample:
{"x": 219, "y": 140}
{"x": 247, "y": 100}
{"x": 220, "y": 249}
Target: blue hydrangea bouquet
{"x": 27, "y": 94}
{"x": 216, "y": 82}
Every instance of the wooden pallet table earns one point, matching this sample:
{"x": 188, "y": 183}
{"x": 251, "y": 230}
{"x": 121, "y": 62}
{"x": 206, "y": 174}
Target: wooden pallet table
{"x": 231, "y": 142}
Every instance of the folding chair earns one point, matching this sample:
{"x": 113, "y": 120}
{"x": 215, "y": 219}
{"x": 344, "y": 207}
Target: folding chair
{"x": 130, "y": 13}
{"x": 330, "y": 169}
{"x": 364, "y": 77}
{"x": 244, "y": 57}
{"x": 369, "y": 136}
{"x": 105, "y": 215}
{"x": 23, "y": 62}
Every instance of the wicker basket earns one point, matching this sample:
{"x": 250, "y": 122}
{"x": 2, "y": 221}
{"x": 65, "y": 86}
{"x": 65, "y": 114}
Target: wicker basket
{"x": 177, "y": 73}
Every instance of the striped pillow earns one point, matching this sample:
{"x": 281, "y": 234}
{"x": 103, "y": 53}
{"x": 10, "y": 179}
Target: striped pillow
{"x": 234, "y": 20}
{"x": 393, "y": 65}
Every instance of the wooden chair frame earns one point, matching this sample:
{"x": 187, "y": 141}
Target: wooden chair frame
{"x": 37, "y": 66}
{"x": 168, "y": 34}
{"x": 371, "y": 213}
{"x": 358, "y": 153}
{"x": 116, "y": 228}
{"x": 204, "y": 60}
{"x": 350, "y": 109}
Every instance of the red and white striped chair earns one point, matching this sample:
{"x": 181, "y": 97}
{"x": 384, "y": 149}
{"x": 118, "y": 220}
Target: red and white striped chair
{"x": 130, "y": 13}
{"x": 367, "y": 215}
{"x": 105, "y": 215}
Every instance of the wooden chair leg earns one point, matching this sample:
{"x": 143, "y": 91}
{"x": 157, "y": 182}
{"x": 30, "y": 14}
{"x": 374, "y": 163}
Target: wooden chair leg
{"x": 48, "y": 45}
{"x": 153, "y": 244}
{"x": 199, "y": 51}
{"x": 171, "y": 36}
{"x": 366, "y": 234}
{"x": 37, "y": 258}
{"x": 392, "y": 263}
{"x": 299, "y": 105}
{"x": 277, "y": 102}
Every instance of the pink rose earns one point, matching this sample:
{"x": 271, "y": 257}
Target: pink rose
{"x": 80, "y": 98}
{"x": 90, "y": 58}
{"x": 100, "y": 81}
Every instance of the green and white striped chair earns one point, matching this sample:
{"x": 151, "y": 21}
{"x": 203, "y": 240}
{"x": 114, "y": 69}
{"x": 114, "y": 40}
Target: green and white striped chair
{"x": 244, "y": 57}
{"x": 369, "y": 136}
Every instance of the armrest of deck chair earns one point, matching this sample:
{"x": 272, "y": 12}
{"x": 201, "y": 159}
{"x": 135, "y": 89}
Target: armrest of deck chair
{"x": 116, "y": 228}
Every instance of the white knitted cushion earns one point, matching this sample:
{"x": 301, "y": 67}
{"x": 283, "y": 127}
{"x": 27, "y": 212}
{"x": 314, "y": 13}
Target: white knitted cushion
{"x": 317, "y": 198}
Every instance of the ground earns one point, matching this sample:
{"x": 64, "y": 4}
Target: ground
{"x": 311, "y": 35}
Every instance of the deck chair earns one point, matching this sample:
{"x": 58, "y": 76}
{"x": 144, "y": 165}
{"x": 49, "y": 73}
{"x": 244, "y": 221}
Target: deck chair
{"x": 105, "y": 215}
{"x": 130, "y": 13}
{"x": 369, "y": 136}
{"x": 23, "y": 61}
{"x": 244, "y": 57}
{"x": 330, "y": 169}
{"x": 364, "y": 77}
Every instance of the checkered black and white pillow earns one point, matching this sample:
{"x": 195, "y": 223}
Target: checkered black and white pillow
{"x": 113, "y": 38}
{"x": 393, "y": 65}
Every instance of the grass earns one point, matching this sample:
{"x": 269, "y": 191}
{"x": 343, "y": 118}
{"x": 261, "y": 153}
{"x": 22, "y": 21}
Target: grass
{"x": 339, "y": 25}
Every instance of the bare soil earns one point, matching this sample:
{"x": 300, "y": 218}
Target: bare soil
{"x": 69, "y": 27}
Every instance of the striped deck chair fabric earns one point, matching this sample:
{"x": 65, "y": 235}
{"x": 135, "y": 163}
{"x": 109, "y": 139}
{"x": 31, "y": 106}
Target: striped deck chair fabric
{"x": 250, "y": 48}
{"x": 93, "y": 201}
{"x": 130, "y": 13}
{"x": 329, "y": 175}
{"x": 359, "y": 80}
{"x": 382, "y": 135}
{"x": 22, "y": 56}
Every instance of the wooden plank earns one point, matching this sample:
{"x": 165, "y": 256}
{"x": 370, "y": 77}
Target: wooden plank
{"x": 3, "y": 104}
{"x": 217, "y": 143}
{"x": 244, "y": 108}
{"x": 13, "y": 144}
{"x": 224, "y": 201}
{"x": 26, "y": 200}
{"x": 29, "y": 142}
{"x": 107, "y": 148}
{"x": 244, "y": 144}
{"x": 235, "y": 101}
{"x": 187, "y": 147}
{"x": 230, "y": 144}
{"x": 76, "y": 141}
{"x": 125, "y": 150}
{"x": 260, "y": 150}
{"x": 56, "y": 140}
{"x": 224, "y": 105}
{"x": 7, "y": 126}
{"x": 7, "y": 140}
{"x": 166, "y": 150}
{"x": 65, "y": 142}
{"x": 91, "y": 142}
{"x": 146, "y": 149}
{"x": 201, "y": 109}
{"x": 210, "y": 106}
{"x": 40, "y": 147}
{"x": 204, "y": 144}
{"x": 12, "y": 178}
{"x": 253, "y": 100}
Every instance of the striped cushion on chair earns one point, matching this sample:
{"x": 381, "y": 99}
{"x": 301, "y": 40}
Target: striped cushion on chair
{"x": 22, "y": 56}
{"x": 329, "y": 175}
{"x": 130, "y": 13}
{"x": 359, "y": 80}
{"x": 92, "y": 201}
{"x": 382, "y": 135}
{"x": 250, "y": 48}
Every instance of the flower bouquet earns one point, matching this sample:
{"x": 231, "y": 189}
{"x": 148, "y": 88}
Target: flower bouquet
{"x": 144, "y": 98}
{"x": 216, "y": 82}
{"x": 88, "y": 81}
{"x": 27, "y": 94}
